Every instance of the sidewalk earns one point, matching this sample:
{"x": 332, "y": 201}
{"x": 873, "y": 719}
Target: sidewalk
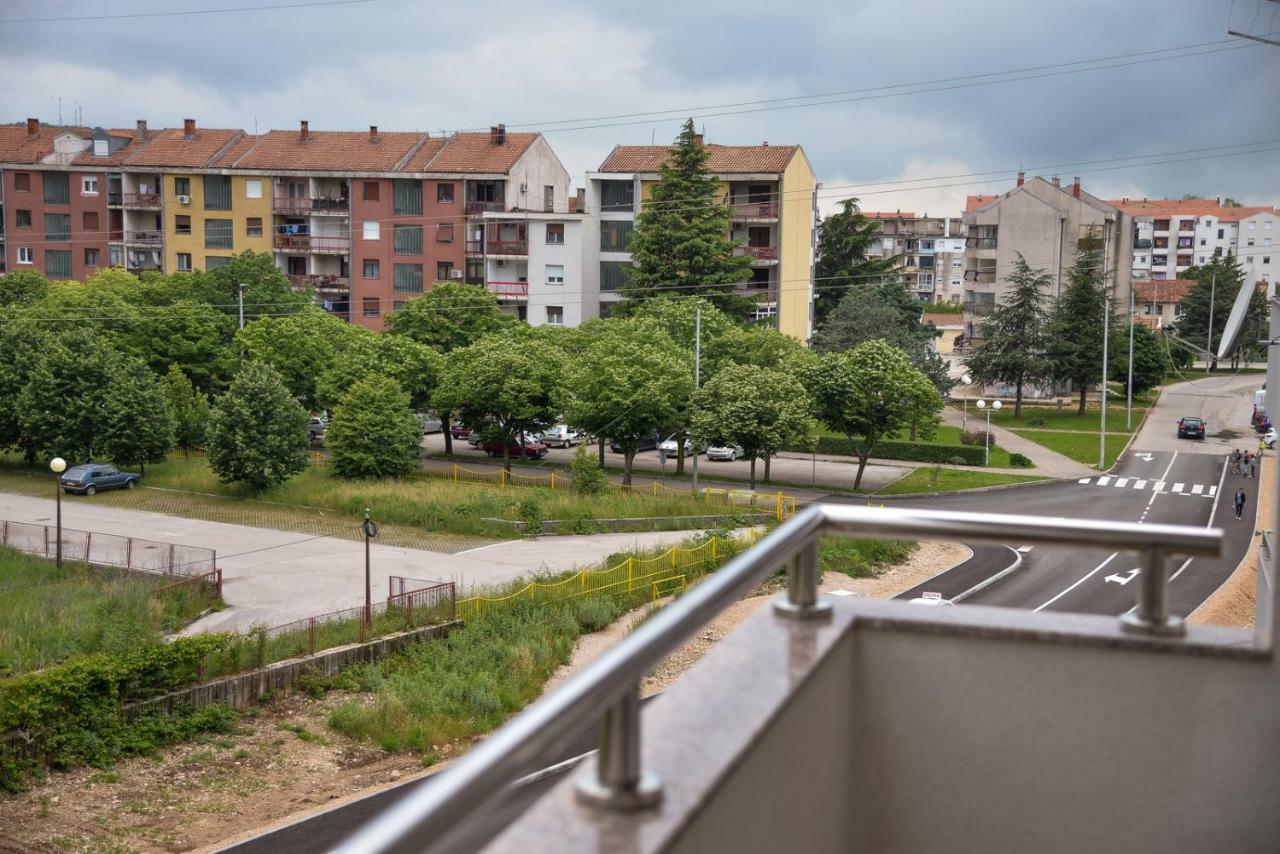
{"x": 1047, "y": 463}
{"x": 275, "y": 577}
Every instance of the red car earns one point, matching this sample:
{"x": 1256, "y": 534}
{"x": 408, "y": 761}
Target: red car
{"x": 527, "y": 448}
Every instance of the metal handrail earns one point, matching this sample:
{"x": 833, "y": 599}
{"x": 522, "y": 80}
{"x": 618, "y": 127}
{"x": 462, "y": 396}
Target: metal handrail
{"x": 609, "y": 687}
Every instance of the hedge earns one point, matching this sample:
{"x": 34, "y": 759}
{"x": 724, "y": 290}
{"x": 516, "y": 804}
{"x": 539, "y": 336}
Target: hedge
{"x": 894, "y": 450}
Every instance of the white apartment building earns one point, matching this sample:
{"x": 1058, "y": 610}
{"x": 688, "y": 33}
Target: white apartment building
{"x": 931, "y": 251}
{"x": 541, "y": 279}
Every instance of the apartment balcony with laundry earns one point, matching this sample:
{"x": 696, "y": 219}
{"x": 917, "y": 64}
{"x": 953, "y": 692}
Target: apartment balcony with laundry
{"x": 982, "y": 239}
{"x": 753, "y": 201}
{"x": 311, "y": 196}
{"x": 497, "y": 238}
{"x": 980, "y": 271}
{"x": 139, "y": 191}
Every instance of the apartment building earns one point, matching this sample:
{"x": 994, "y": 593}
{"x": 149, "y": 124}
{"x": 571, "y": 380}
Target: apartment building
{"x": 771, "y": 190}
{"x": 1171, "y": 235}
{"x": 369, "y": 220}
{"x": 1158, "y": 302}
{"x": 930, "y": 252}
{"x": 1047, "y": 224}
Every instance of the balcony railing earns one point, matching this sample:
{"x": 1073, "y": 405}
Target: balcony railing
{"x": 508, "y": 290}
{"x": 115, "y": 199}
{"x": 607, "y": 691}
{"x": 760, "y": 253}
{"x": 115, "y": 235}
{"x": 507, "y": 247}
{"x": 321, "y": 281}
{"x": 141, "y": 200}
{"x": 311, "y": 205}
{"x": 755, "y": 210}
{"x": 481, "y": 207}
{"x": 980, "y": 242}
{"x": 312, "y": 243}
{"x": 144, "y": 238}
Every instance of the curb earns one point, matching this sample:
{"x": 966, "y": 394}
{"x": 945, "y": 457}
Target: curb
{"x": 976, "y": 489}
{"x": 1017, "y": 562}
{"x": 1134, "y": 436}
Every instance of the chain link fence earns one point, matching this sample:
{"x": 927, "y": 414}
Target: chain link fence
{"x": 97, "y": 548}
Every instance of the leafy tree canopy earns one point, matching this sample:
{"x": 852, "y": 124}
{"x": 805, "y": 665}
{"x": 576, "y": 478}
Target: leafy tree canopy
{"x": 257, "y": 430}
{"x": 843, "y": 241}
{"x": 136, "y": 426}
{"x": 1074, "y": 337}
{"x": 450, "y": 316}
{"x": 1013, "y": 335}
{"x": 373, "y": 433}
{"x": 1217, "y": 284}
{"x": 22, "y": 287}
{"x": 301, "y": 347}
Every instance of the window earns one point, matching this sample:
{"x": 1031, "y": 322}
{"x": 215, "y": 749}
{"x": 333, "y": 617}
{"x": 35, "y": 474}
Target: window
{"x": 1249, "y": 242}
{"x": 555, "y": 315}
{"x": 182, "y": 186}
{"x": 407, "y": 195}
{"x": 616, "y": 236}
{"x": 181, "y": 224}
{"x": 22, "y": 181}
{"x": 1203, "y": 242}
{"x": 617, "y": 196}
{"x": 957, "y": 263}
{"x": 407, "y": 279}
{"x": 372, "y": 231}
{"x": 1220, "y": 233}
{"x": 613, "y": 275}
{"x": 370, "y": 191}
{"x": 252, "y": 188}
{"x": 92, "y": 257}
{"x": 555, "y": 233}
{"x": 372, "y": 307}
{"x": 90, "y": 220}
{"x": 57, "y": 189}
{"x": 444, "y": 233}
{"x": 217, "y": 234}
{"x": 89, "y": 185}
{"x": 396, "y": 305}
{"x": 444, "y": 194}
{"x": 1266, "y": 259}
{"x": 548, "y": 198}
{"x": 217, "y": 193}
{"x": 1200, "y": 260}
{"x": 926, "y": 244}
{"x": 57, "y": 263}
{"x": 371, "y": 268}
{"x": 253, "y": 226}
{"x": 444, "y": 271}
{"x": 213, "y": 261}
{"x": 407, "y": 239}
{"x": 23, "y": 218}
{"x": 184, "y": 261}
{"x": 955, "y": 282}
{"x": 759, "y": 235}
{"x": 1266, "y": 241}
{"x": 1267, "y": 224}
{"x": 26, "y": 255}
{"x": 1252, "y": 226}
{"x": 555, "y": 274}
{"x": 57, "y": 226}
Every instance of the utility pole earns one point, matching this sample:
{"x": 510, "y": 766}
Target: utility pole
{"x": 1213, "y": 292}
{"x": 370, "y": 530}
{"x": 697, "y": 379}
{"x": 1106, "y": 340}
{"x": 241, "y": 302}
{"x": 1128, "y": 415}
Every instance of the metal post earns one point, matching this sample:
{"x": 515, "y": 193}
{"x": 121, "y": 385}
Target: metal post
{"x": 57, "y": 479}
{"x": 801, "y": 598}
{"x": 1128, "y": 416}
{"x": 1213, "y": 292}
{"x": 986, "y": 441}
{"x": 1151, "y": 616}
{"x": 368, "y": 529}
{"x": 1106, "y": 346}
{"x": 240, "y": 300}
{"x": 697, "y": 378}
{"x": 619, "y": 783}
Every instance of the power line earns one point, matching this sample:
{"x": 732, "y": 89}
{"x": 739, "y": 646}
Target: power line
{"x": 182, "y": 13}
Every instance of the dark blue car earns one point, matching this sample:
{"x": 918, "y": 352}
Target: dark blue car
{"x": 92, "y": 479}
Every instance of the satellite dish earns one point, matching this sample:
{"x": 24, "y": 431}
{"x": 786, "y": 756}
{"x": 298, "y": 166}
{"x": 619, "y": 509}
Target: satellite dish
{"x": 1235, "y": 320}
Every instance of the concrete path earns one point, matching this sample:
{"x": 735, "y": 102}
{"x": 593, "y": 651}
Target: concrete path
{"x": 1047, "y": 463}
{"x": 275, "y": 577}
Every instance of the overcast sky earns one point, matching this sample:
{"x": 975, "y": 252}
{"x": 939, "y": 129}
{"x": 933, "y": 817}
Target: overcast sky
{"x": 407, "y": 65}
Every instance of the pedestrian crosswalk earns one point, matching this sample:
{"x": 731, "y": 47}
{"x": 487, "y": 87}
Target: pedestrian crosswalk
{"x": 1172, "y": 488}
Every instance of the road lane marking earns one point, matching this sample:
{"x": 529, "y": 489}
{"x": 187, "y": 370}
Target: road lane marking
{"x": 1103, "y": 481}
{"x": 1160, "y": 483}
{"x": 1092, "y": 573}
{"x": 1177, "y": 487}
{"x": 1216, "y": 492}
{"x": 1140, "y": 484}
{"x": 1121, "y": 482}
{"x": 1085, "y": 479}
{"x": 1197, "y": 489}
{"x": 1213, "y": 490}
{"x": 1122, "y": 578}
{"x": 1159, "y": 487}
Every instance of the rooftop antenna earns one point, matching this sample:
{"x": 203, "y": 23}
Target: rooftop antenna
{"x": 255, "y": 125}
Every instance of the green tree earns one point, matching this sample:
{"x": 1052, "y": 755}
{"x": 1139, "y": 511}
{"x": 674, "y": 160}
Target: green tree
{"x": 300, "y": 347}
{"x": 1216, "y": 285}
{"x": 1074, "y": 338}
{"x": 504, "y": 385}
{"x": 416, "y": 367}
{"x": 188, "y": 407}
{"x": 681, "y": 240}
{"x": 632, "y": 381}
{"x": 843, "y": 241}
{"x": 23, "y": 287}
{"x": 1151, "y": 363}
{"x": 868, "y": 393}
{"x": 193, "y": 335}
{"x": 758, "y": 409}
{"x": 267, "y": 291}
{"x": 373, "y": 433}
{"x": 137, "y": 427}
{"x": 257, "y": 430}
{"x": 61, "y": 406}
{"x": 589, "y": 477}
{"x": 23, "y": 344}
{"x": 1013, "y": 335}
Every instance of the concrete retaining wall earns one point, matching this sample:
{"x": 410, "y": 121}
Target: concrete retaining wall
{"x": 647, "y": 523}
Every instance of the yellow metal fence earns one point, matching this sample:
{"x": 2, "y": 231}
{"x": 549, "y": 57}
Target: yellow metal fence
{"x": 657, "y": 575}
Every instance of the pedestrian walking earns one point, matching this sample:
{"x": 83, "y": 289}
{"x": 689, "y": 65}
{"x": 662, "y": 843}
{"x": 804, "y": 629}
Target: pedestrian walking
{"x": 1253, "y": 467}
{"x": 1244, "y": 464}
{"x": 1240, "y": 499}
{"x": 1235, "y": 461}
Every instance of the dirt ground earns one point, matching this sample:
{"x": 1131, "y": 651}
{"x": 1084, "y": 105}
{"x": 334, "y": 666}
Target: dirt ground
{"x": 1235, "y": 602}
{"x": 284, "y": 761}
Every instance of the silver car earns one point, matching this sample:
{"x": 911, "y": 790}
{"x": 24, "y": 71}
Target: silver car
{"x": 724, "y": 453}
{"x": 562, "y": 436}
{"x": 430, "y": 422}
{"x": 671, "y": 446}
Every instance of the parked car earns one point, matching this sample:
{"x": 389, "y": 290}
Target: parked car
{"x": 647, "y": 443}
{"x": 460, "y": 431}
{"x": 724, "y": 453}
{"x": 524, "y": 447}
{"x": 1190, "y": 428}
{"x": 671, "y": 445}
{"x": 316, "y": 427}
{"x": 91, "y": 479}
{"x": 1270, "y": 437}
{"x": 562, "y": 436}
{"x": 430, "y": 422}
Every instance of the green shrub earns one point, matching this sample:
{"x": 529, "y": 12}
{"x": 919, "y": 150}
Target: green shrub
{"x": 861, "y": 558}
{"x": 373, "y": 433}
{"x": 958, "y": 461}
{"x": 1020, "y": 461}
{"x": 594, "y": 614}
{"x": 1037, "y": 422}
{"x": 589, "y": 478}
{"x": 895, "y": 450}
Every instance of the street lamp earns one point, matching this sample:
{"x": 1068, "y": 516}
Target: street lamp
{"x": 58, "y": 465}
{"x": 967, "y": 381}
{"x": 986, "y": 441}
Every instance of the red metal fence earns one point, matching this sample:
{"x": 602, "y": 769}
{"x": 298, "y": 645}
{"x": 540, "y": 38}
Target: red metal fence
{"x": 109, "y": 549}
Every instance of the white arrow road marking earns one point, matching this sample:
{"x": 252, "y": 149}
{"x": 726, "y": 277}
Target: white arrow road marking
{"x": 1091, "y": 573}
{"x": 1177, "y": 487}
{"x": 1197, "y": 489}
{"x": 1146, "y": 458}
{"x": 1103, "y": 481}
{"x": 1123, "y": 579}
{"x": 1140, "y": 484}
{"x": 1121, "y": 482}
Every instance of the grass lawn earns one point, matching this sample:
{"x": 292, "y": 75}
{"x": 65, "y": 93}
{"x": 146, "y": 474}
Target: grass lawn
{"x": 49, "y": 614}
{"x": 1066, "y": 418}
{"x": 1081, "y": 447}
{"x": 949, "y": 480}
{"x": 944, "y": 434}
{"x": 858, "y": 558}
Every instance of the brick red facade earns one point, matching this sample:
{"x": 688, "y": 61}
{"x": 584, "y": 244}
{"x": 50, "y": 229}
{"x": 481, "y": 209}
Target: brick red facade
{"x": 87, "y": 232}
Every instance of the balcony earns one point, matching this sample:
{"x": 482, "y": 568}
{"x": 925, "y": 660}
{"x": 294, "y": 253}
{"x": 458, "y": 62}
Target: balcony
{"x": 144, "y": 238}
{"x": 321, "y": 282}
{"x": 115, "y": 199}
{"x": 497, "y": 247}
{"x": 143, "y": 201}
{"x": 761, "y": 254}
{"x": 312, "y": 243}
{"x": 1142, "y": 243}
{"x": 980, "y": 242}
{"x": 473, "y": 207}
{"x": 754, "y": 210}
{"x": 137, "y": 268}
{"x": 508, "y": 290}
{"x": 317, "y": 205}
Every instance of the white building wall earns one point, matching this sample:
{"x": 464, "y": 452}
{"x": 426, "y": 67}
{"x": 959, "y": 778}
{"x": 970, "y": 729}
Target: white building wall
{"x": 1258, "y": 249}
{"x": 578, "y": 298}
{"x": 538, "y": 167}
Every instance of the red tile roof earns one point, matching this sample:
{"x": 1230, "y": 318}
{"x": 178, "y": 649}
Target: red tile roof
{"x": 237, "y": 150}
{"x": 972, "y": 203}
{"x": 120, "y": 155}
{"x": 723, "y": 159}
{"x": 1155, "y": 290}
{"x": 171, "y": 148}
{"x": 888, "y": 214}
{"x": 17, "y": 147}
{"x": 476, "y": 152}
{"x": 425, "y": 154}
{"x": 1185, "y": 207}
{"x": 327, "y": 151}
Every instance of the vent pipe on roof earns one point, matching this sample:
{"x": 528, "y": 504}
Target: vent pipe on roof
{"x": 141, "y": 133}
{"x": 33, "y": 127}
{"x": 188, "y": 129}
{"x": 1075, "y": 187}
{"x": 500, "y": 134}
{"x": 304, "y": 130}
{"x": 697, "y": 139}
{"x": 1022, "y": 176}
{"x": 373, "y": 133}
{"x": 1056, "y": 182}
